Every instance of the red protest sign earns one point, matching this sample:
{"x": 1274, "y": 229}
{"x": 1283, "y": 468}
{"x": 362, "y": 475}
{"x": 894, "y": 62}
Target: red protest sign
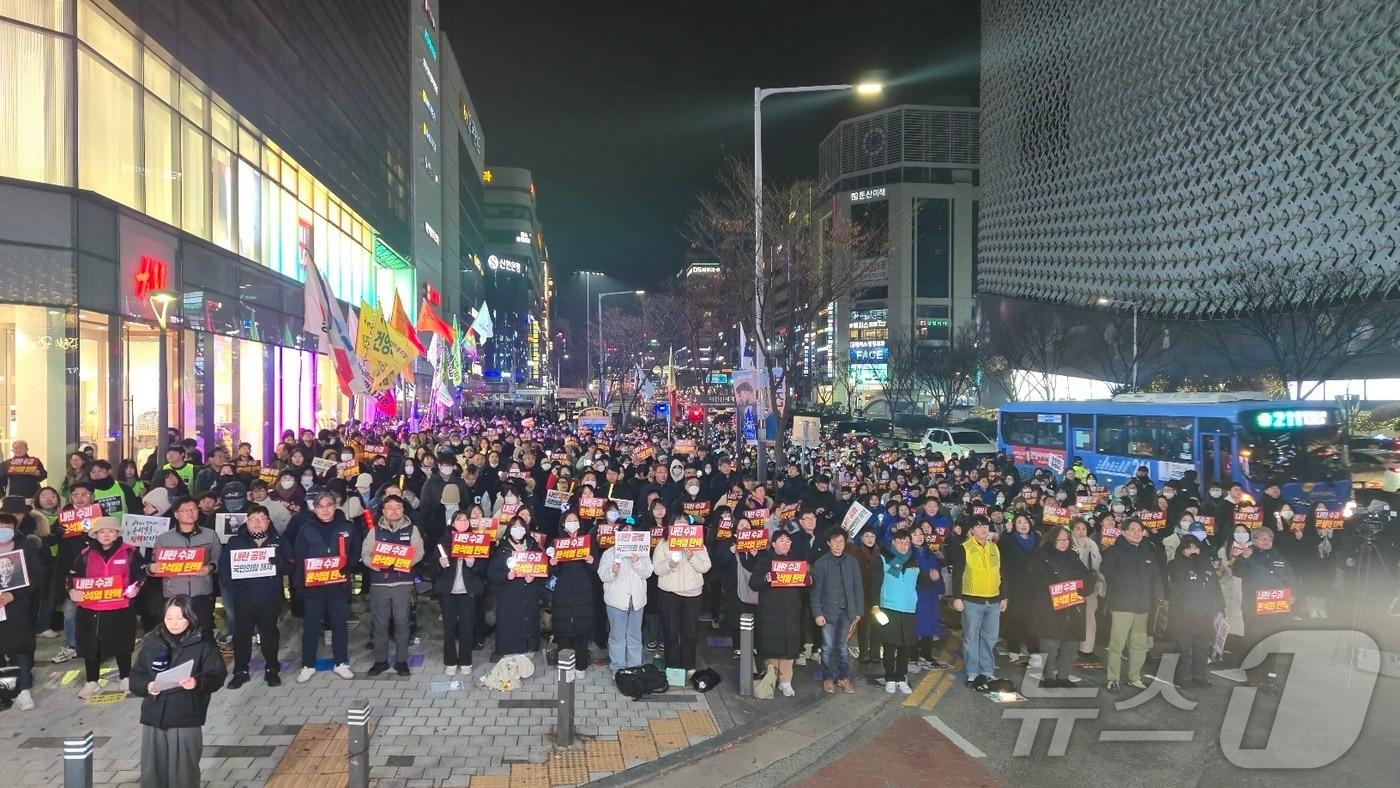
{"x": 789, "y": 574}
{"x": 724, "y": 531}
{"x": 577, "y": 548}
{"x": 97, "y": 589}
{"x": 979, "y": 510}
{"x": 643, "y": 453}
{"x": 471, "y": 544}
{"x": 177, "y": 561}
{"x": 787, "y": 512}
{"x": 391, "y": 557}
{"x": 696, "y": 509}
{"x": 530, "y": 563}
{"x": 607, "y": 534}
{"x": 1056, "y": 515}
{"x": 1153, "y": 520}
{"x": 1109, "y": 536}
{"x": 1273, "y": 601}
{"x": 1065, "y": 595}
{"x": 756, "y": 515}
{"x": 751, "y": 540}
{"x": 591, "y": 508}
{"x": 76, "y": 521}
{"x": 483, "y": 524}
{"x": 1249, "y": 516}
{"x": 684, "y": 446}
{"x": 323, "y": 571}
{"x": 1207, "y": 522}
{"x": 686, "y": 537}
{"x": 1332, "y": 521}
{"x": 348, "y": 470}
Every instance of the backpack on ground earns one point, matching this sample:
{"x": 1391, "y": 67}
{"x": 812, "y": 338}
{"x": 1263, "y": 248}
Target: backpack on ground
{"x": 640, "y": 681}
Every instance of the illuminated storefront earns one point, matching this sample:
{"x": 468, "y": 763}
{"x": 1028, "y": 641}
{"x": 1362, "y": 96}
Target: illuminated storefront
{"x": 121, "y": 175}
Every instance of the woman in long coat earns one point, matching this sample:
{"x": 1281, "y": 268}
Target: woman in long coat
{"x": 929, "y": 588}
{"x": 1018, "y": 556}
{"x": 1060, "y": 631}
{"x": 573, "y": 605}
{"x": 779, "y": 633}
{"x": 517, "y": 598}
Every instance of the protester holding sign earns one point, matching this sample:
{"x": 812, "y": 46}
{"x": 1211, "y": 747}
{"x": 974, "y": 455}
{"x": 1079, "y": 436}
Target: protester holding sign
{"x": 778, "y": 636}
{"x": 1267, "y": 588}
{"x": 22, "y": 474}
{"x": 251, "y": 568}
{"x": 105, "y": 577}
{"x": 390, "y": 549}
{"x": 680, "y": 579}
{"x": 1132, "y": 571}
{"x": 188, "y": 535}
{"x": 22, "y": 575}
{"x": 573, "y": 601}
{"x": 625, "y": 596}
{"x": 1061, "y": 582}
{"x": 460, "y": 586}
{"x": 325, "y": 548}
{"x": 1195, "y": 598}
{"x": 517, "y": 594}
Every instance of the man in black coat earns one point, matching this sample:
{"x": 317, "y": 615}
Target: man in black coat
{"x": 1267, "y": 586}
{"x": 820, "y": 499}
{"x": 1133, "y": 573}
{"x": 257, "y": 593}
{"x": 1196, "y": 599}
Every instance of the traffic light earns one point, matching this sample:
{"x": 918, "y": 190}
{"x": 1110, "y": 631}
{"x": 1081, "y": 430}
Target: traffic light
{"x": 662, "y": 410}
{"x": 696, "y": 413}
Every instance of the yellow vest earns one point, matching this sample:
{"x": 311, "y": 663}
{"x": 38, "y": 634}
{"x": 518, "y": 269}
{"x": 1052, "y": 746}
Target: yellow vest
{"x": 982, "y": 572}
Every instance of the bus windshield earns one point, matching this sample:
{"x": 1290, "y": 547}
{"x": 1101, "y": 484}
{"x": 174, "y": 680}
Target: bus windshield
{"x": 1296, "y": 454}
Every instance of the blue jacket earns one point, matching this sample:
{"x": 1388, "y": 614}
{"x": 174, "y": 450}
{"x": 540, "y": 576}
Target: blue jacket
{"x": 898, "y": 591}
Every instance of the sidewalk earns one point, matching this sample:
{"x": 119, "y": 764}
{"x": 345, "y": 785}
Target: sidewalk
{"x": 427, "y": 730}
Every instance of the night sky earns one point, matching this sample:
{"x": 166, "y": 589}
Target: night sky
{"x": 623, "y": 110}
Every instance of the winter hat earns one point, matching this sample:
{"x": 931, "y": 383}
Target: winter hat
{"x": 159, "y": 498}
{"x": 102, "y": 524}
{"x": 363, "y": 482}
{"x": 451, "y": 494}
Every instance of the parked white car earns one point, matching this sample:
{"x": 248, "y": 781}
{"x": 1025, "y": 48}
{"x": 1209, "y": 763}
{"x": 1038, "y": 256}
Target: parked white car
{"x": 1375, "y": 471}
{"x": 954, "y": 440}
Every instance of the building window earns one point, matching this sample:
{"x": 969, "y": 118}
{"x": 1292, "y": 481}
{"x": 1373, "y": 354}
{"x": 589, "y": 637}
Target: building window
{"x": 932, "y": 233}
{"x": 52, "y": 14}
{"x": 109, "y": 39}
{"x": 33, "y": 382}
{"x": 34, "y": 82}
{"x": 194, "y": 180}
{"x": 160, "y": 143}
{"x": 221, "y": 196}
{"x": 108, "y": 160}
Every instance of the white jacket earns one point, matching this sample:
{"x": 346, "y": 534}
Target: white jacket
{"x": 629, "y": 585}
{"x": 688, "y": 577}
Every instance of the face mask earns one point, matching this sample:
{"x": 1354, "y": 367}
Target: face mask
{"x": 1119, "y": 508}
{"x": 693, "y": 489}
{"x": 517, "y": 532}
{"x": 1215, "y": 493}
{"x": 1169, "y": 494}
{"x": 7, "y": 535}
{"x": 306, "y": 481}
{"x": 287, "y": 484}
{"x": 346, "y": 457}
{"x": 1241, "y": 538}
{"x": 446, "y": 472}
{"x": 544, "y": 466}
{"x": 511, "y": 499}
{"x": 1061, "y": 496}
{"x": 614, "y": 517}
{"x": 1183, "y": 527}
{"x": 571, "y": 526}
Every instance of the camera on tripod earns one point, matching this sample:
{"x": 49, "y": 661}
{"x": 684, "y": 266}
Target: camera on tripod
{"x": 1372, "y": 521}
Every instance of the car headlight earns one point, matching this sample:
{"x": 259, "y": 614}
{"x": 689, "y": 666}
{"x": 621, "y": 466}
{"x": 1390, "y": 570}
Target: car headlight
{"x": 1349, "y": 509}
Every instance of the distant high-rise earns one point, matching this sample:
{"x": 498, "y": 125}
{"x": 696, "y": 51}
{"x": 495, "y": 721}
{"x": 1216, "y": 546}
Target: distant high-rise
{"x": 1149, "y": 152}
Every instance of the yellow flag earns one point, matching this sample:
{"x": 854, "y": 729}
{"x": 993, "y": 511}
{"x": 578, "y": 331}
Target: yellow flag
{"x": 384, "y": 350}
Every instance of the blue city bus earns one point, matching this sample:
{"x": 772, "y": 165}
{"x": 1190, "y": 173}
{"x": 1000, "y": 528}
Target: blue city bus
{"x": 1227, "y": 437}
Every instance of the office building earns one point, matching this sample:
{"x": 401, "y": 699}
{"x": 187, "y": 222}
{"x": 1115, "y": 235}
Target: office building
{"x": 517, "y": 280}
{"x": 910, "y": 174}
{"x": 196, "y": 148}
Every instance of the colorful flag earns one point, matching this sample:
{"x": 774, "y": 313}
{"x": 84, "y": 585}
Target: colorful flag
{"x": 399, "y": 321}
{"x": 324, "y": 319}
{"x": 386, "y": 351}
{"x": 482, "y": 325}
{"x": 454, "y": 359}
{"x": 743, "y": 362}
{"x": 428, "y": 320}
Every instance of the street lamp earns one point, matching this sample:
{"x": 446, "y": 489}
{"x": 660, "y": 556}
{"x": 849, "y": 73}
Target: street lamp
{"x": 759, "y": 94}
{"x": 587, "y": 348}
{"x": 602, "y": 350}
{"x": 1135, "y": 306}
{"x": 160, "y": 305}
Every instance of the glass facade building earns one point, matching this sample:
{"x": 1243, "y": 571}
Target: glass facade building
{"x": 122, "y": 174}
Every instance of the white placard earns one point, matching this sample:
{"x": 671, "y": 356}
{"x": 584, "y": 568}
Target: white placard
{"x": 252, "y": 562}
{"x": 321, "y": 465}
{"x": 170, "y": 679}
{"x": 141, "y": 530}
{"x": 226, "y": 524}
{"x": 855, "y": 518}
{"x": 556, "y": 499}
{"x": 630, "y": 543}
{"x": 624, "y": 507}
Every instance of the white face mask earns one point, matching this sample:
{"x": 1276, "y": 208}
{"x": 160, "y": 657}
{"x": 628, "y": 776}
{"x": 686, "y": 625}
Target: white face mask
{"x": 1119, "y": 508}
{"x": 511, "y": 499}
{"x": 1241, "y": 538}
{"x": 346, "y": 456}
{"x": 571, "y": 526}
{"x": 287, "y": 484}
{"x": 517, "y": 532}
{"x": 1168, "y": 494}
{"x": 614, "y": 517}
{"x": 1216, "y": 493}
{"x": 693, "y": 489}
{"x": 544, "y": 466}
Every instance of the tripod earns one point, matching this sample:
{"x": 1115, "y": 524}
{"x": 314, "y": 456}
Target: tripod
{"x": 1369, "y": 558}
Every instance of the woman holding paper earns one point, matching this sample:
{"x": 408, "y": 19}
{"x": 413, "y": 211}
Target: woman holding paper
{"x": 518, "y": 584}
{"x": 625, "y": 594}
{"x": 573, "y": 598}
{"x": 460, "y": 585}
{"x": 104, "y": 578}
{"x": 173, "y": 709}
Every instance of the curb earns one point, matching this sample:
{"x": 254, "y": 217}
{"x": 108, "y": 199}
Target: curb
{"x": 715, "y": 744}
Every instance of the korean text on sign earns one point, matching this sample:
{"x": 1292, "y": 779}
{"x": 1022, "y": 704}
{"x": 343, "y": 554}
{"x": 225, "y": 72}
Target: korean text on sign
{"x": 1273, "y": 601}
{"x": 97, "y": 589}
{"x": 391, "y": 557}
{"x": 76, "y": 521}
{"x": 1066, "y": 594}
{"x": 471, "y": 544}
{"x": 789, "y": 574}
{"x": 751, "y": 539}
{"x": 686, "y": 537}
{"x": 177, "y": 561}
{"x": 531, "y": 563}
{"x": 323, "y": 571}
{"x": 576, "y": 549}
{"x": 591, "y": 508}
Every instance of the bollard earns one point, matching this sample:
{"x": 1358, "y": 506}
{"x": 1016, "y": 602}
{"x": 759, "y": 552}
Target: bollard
{"x": 746, "y": 654}
{"x": 358, "y": 739}
{"x": 77, "y": 761}
{"x": 564, "y": 727}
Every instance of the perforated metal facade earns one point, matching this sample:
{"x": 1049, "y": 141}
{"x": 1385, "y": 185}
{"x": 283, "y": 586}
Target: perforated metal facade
{"x": 944, "y": 137}
{"x": 1148, "y": 151}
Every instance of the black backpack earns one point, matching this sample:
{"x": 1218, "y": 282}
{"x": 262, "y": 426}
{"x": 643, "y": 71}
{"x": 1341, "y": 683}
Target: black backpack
{"x": 639, "y": 681}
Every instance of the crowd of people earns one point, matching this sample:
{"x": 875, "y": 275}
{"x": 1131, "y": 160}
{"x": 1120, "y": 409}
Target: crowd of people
{"x": 523, "y": 531}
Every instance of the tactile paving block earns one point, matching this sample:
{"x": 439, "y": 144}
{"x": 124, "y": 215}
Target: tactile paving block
{"x": 604, "y": 756}
{"x": 529, "y": 775}
{"x": 637, "y": 744}
{"x": 669, "y": 735}
{"x": 568, "y": 767}
{"x": 698, "y": 723}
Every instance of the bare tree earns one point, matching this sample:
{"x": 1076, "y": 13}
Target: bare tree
{"x": 809, "y": 262}
{"x": 1309, "y": 327}
{"x": 843, "y": 379}
{"x": 901, "y": 381}
{"x": 948, "y": 373}
{"x": 625, "y": 341}
{"x": 1023, "y": 357}
{"x": 1112, "y": 352}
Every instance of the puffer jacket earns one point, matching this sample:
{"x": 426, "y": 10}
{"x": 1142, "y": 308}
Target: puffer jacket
{"x": 629, "y": 585}
{"x": 177, "y": 708}
{"x": 687, "y": 578}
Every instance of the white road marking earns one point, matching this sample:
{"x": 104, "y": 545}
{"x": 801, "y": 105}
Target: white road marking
{"x": 954, "y": 737}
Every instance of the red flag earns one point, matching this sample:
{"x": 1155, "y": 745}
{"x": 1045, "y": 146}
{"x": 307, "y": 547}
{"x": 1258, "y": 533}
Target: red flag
{"x": 399, "y": 320}
{"x": 428, "y": 320}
